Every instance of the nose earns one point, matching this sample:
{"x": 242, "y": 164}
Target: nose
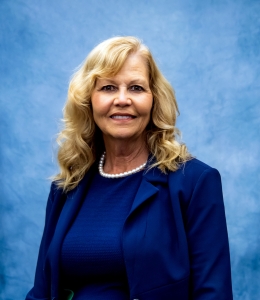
{"x": 122, "y": 98}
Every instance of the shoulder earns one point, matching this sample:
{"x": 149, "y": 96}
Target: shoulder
{"x": 196, "y": 166}
{"x": 191, "y": 175}
{"x": 193, "y": 169}
{"x": 56, "y": 196}
{"x": 55, "y": 191}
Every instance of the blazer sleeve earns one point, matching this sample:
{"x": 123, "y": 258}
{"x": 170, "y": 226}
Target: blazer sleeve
{"x": 41, "y": 288}
{"x": 208, "y": 240}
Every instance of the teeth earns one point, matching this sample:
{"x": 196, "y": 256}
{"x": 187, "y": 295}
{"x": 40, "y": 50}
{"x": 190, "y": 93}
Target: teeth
{"x": 121, "y": 117}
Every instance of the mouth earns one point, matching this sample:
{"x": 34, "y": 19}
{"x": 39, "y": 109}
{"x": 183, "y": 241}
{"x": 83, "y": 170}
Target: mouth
{"x": 122, "y": 117}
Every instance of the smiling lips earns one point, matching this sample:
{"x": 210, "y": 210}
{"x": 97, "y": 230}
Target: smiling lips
{"x": 122, "y": 117}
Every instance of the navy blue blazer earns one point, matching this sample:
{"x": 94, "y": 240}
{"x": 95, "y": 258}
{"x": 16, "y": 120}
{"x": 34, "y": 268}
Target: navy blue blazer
{"x": 174, "y": 240}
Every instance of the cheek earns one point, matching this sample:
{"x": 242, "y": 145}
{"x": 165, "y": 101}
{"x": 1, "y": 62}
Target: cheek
{"x": 98, "y": 106}
{"x": 147, "y": 107}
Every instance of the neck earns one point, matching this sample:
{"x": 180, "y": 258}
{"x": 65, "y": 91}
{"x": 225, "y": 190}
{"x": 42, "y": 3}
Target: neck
{"x": 123, "y": 157}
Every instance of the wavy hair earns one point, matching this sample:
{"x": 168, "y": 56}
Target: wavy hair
{"x": 81, "y": 142}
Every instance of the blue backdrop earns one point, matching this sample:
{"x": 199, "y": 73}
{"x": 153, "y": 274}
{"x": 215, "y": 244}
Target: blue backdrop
{"x": 209, "y": 51}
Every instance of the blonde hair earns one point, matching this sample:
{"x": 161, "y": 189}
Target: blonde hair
{"x": 81, "y": 141}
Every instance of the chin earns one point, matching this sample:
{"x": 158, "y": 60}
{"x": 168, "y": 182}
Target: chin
{"x": 125, "y": 136}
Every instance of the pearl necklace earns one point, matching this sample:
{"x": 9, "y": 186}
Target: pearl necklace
{"x": 124, "y": 174}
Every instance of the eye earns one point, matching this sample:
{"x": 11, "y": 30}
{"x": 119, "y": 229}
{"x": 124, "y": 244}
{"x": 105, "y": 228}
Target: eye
{"x": 108, "y": 88}
{"x": 136, "y": 88}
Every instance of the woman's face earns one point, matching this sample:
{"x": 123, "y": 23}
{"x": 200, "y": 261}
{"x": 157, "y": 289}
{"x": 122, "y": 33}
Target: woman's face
{"x": 122, "y": 104}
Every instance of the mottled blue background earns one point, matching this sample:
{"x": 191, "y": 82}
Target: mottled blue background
{"x": 209, "y": 51}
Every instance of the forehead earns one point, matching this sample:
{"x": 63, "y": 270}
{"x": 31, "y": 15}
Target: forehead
{"x": 135, "y": 62}
{"x": 134, "y": 66}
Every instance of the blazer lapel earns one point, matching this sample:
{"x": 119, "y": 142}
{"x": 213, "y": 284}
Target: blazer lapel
{"x": 147, "y": 188}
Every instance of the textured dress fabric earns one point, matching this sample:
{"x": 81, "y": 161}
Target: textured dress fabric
{"x": 92, "y": 263}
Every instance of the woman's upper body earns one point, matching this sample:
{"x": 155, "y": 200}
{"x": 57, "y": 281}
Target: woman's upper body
{"x": 173, "y": 238}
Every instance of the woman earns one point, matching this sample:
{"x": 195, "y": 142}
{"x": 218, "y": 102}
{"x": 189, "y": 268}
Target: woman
{"x": 131, "y": 215}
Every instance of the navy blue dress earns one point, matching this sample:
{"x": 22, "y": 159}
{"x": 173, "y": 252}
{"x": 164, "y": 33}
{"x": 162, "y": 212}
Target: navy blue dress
{"x": 92, "y": 263}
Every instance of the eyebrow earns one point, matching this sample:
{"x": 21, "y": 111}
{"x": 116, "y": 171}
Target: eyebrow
{"x": 134, "y": 81}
